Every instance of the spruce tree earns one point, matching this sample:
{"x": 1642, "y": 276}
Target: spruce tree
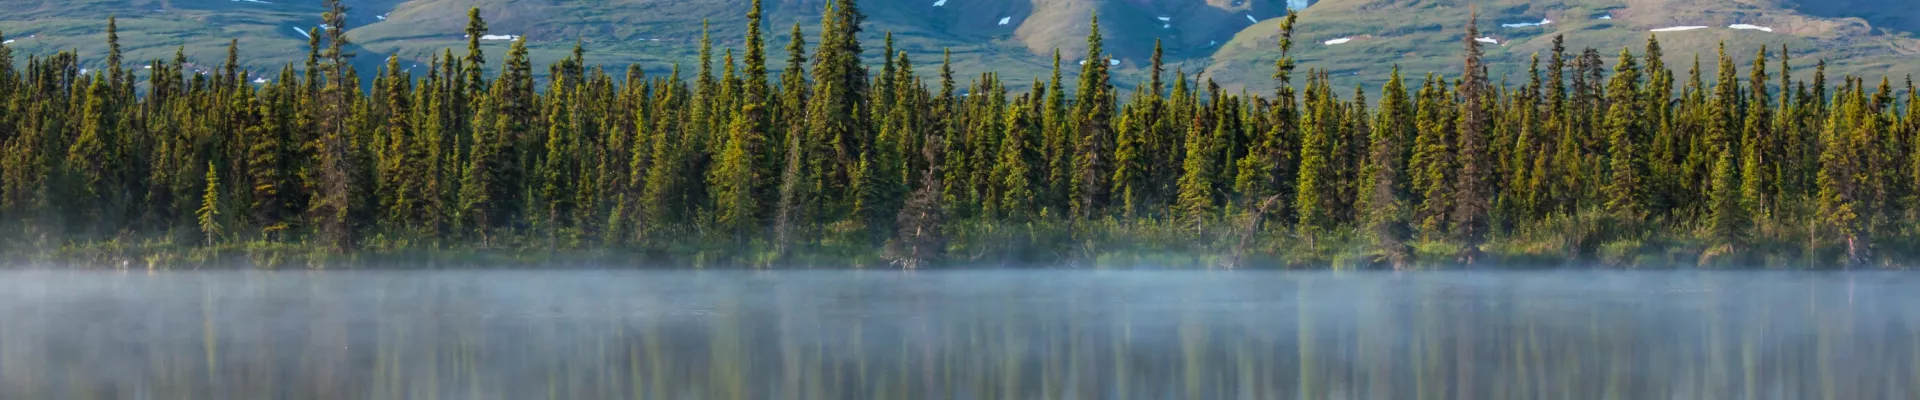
{"x": 791, "y": 114}
{"x": 879, "y": 187}
{"x": 1093, "y": 144}
{"x": 1627, "y": 164}
{"x": 1385, "y": 202}
{"x": 209, "y": 212}
{"x": 1129, "y": 158}
{"x": 734, "y": 176}
{"x": 1913, "y": 149}
{"x": 1519, "y": 200}
{"x": 740, "y": 173}
{"x": 114, "y": 56}
{"x": 480, "y": 179}
{"x": 1260, "y": 172}
{"x": 90, "y": 159}
{"x": 836, "y": 107}
{"x": 1727, "y": 222}
{"x": 919, "y": 239}
{"x": 268, "y": 158}
{"x": 1795, "y": 143}
{"x": 1011, "y": 195}
{"x": 556, "y": 169}
{"x": 1432, "y": 162}
{"x": 1315, "y": 197}
{"x": 662, "y": 202}
{"x": 1356, "y": 143}
{"x": 1757, "y": 142}
{"x": 1664, "y": 179}
{"x": 475, "y": 82}
{"x": 1196, "y": 195}
{"x": 337, "y": 162}
{"x": 1842, "y": 192}
{"x": 1162, "y": 136}
{"x": 1473, "y": 184}
{"x": 1057, "y": 144}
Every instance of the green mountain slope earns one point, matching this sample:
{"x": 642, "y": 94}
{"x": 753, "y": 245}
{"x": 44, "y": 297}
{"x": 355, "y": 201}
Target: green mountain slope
{"x": 1220, "y": 37}
{"x": 655, "y": 33}
{"x": 1426, "y": 35}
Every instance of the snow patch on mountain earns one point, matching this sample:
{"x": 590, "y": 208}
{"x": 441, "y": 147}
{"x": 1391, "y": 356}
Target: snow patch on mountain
{"x": 1527, "y": 24}
{"x": 1678, "y": 29}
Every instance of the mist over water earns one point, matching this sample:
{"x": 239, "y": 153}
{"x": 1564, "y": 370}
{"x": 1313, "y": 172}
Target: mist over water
{"x": 1025, "y": 334}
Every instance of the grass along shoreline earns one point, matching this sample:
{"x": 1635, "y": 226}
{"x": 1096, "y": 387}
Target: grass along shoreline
{"x": 1584, "y": 240}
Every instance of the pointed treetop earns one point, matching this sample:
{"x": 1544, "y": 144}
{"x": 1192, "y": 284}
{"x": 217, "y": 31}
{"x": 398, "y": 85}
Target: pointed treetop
{"x": 1094, "y": 50}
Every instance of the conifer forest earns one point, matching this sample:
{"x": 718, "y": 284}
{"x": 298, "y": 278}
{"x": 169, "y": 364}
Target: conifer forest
{"x": 1596, "y": 157}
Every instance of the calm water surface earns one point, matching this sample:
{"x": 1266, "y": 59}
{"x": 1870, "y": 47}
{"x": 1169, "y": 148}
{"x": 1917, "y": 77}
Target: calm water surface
{"x": 1027, "y": 334}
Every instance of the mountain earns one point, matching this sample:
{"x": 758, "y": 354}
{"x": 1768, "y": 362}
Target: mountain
{"x": 1233, "y": 41}
{"x": 1013, "y": 37}
{"x": 1867, "y": 37}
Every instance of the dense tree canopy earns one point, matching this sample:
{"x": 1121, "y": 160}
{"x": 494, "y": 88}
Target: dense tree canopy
{"x": 1579, "y": 162}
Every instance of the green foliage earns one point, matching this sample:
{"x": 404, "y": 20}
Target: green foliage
{"x": 1316, "y": 197}
{"x": 1627, "y": 165}
{"x": 209, "y": 212}
{"x": 832, "y": 166}
{"x": 1384, "y": 193}
{"x": 1727, "y": 222}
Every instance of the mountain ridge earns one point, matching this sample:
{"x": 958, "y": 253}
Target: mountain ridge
{"x": 1232, "y": 41}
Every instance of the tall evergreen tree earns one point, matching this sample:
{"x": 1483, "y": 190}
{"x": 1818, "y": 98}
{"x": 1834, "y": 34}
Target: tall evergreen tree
{"x": 91, "y": 161}
{"x": 1011, "y": 195}
{"x": 1196, "y": 196}
{"x": 405, "y": 169}
{"x": 836, "y": 107}
{"x": 1843, "y": 192}
{"x": 474, "y": 82}
{"x": 1432, "y": 162}
{"x": 792, "y": 112}
{"x": 337, "y": 162}
{"x": 1316, "y": 195}
{"x": 1057, "y": 144}
{"x": 1260, "y": 172}
{"x": 1627, "y": 166}
{"x": 1474, "y": 186}
{"x": 1093, "y": 143}
{"x": 1727, "y": 221}
{"x": 1757, "y": 142}
{"x": 739, "y": 176}
{"x": 1385, "y": 202}
{"x": 209, "y": 212}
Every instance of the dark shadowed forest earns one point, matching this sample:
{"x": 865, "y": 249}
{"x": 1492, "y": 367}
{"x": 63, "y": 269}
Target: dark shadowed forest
{"x": 1597, "y": 158}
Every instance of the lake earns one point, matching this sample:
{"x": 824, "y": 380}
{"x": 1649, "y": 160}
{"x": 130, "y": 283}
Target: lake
{"x": 970, "y": 334}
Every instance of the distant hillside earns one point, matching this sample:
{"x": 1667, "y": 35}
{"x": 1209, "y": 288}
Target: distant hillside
{"x": 1013, "y": 37}
{"x": 1220, "y": 37}
{"x": 1359, "y": 41}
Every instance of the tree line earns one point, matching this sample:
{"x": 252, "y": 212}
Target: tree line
{"x": 835, "y": 154}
